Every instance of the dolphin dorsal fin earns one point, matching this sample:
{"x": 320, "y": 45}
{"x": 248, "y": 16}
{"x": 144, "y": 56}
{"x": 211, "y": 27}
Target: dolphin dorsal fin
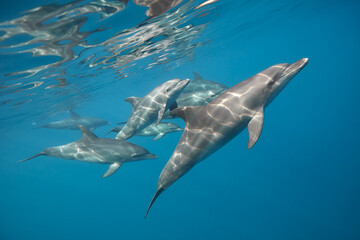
{"x": 73, "y": 114}
{"x": 197, "y": 77}
{"x": 133, "y": 100}
{"x": 87, "y": 135}
{"x": 185, "y": 112}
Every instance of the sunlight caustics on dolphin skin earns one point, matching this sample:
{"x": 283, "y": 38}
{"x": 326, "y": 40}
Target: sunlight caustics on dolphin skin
{"x": 92, "y": 149}
{"x": 237, "y": 108}
{"x": 152, "y": 107}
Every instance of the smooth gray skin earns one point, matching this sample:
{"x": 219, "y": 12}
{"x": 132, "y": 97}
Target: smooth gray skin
{"x": 200, "y": 84}
{"x": 154, "y": 130}
{"x": 74, "y": 121}
{"x": 92, "y": 149}
{"x": 153, "y": 106}
{"x": 210, "y": 127}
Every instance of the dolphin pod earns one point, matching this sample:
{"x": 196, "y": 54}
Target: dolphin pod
{"x": 213, "y": 115}
{"x": 92, "y": 149}
{"x": 210, "y": 127}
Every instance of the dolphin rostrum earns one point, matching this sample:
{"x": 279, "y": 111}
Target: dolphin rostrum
{"x": 153, "y": 106}
{"x": 75, "y": 120}
{"x": 92, "y": 149}
{"x": 154, "y": 130}
{"x": 210, "y": 127}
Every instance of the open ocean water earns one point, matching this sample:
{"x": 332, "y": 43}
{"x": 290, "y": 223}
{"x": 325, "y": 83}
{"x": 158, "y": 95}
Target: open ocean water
{"x": 300, "y": 181}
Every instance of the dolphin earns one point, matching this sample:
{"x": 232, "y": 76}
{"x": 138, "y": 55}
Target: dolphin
{"x": 200, "y": 84}
{"x": 75, "y": 120}
{"x": 92, "y": 149}
{"x": 210, "y": 127}
{"x": 199, "y": 98}
{"x": 153, "y": 106}
{"x": 154, "y": 130}
{"x": 198, "y": 92}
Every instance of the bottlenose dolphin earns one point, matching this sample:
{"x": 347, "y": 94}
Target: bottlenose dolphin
{"x": 74, "y": 121}
{"x": 154, "y": 130}
{"x": 153, "y": 106}
{"x": 92, "y": 149}
{"x": 200, "y": 84}
{"x": 210, "y": 127}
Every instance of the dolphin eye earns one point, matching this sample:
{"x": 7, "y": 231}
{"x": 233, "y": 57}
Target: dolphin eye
{"x": 271, "y": 82}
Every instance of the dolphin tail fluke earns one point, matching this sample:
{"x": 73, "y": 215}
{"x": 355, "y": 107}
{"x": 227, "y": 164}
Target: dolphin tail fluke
{"x": 156, "y": 195}
{"x": 36, "y": 155}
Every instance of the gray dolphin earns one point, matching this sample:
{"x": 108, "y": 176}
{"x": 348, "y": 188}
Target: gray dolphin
{"x": 153, "y": 106}
{"x": 74, "y": 121}
{"x": 198, "y": 92}
{"x": 92, "y": 149}
{"x": 210, "y": 127}
{"x": 157, "y": 130}
{"x": 199, "y": 98}
{"x": 200, "y": 84}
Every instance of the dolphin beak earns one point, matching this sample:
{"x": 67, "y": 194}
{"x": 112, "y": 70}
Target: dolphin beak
{"x": 151, "y": 156}
{"x": 297, "y": 66}
{"x": 183, "y": 83}
{"x": 292, "y": 70}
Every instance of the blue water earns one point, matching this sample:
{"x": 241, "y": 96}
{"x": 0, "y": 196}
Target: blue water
{"x": 300, "y": 181}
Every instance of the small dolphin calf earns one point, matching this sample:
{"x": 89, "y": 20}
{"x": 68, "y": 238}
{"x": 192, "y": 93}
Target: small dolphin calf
{"x": 153, "y": 106}
{"x": 210, "y": 127}
{"x": 154, "y": 130}
{"x": 92, "y": 149}
{"x": 74, "y": 121}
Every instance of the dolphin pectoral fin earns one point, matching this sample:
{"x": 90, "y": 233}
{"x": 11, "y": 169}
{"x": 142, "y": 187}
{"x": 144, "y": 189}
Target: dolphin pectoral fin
{"x": 255, "y": 128}
{"x": 112, "y": 169}
{"x": 160, "y": 135}
{"x": 161, "y": 114}
{"x": 133, "y": 100}
{"x": 114, "y": 130}
{"x": 36, "y": 155}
